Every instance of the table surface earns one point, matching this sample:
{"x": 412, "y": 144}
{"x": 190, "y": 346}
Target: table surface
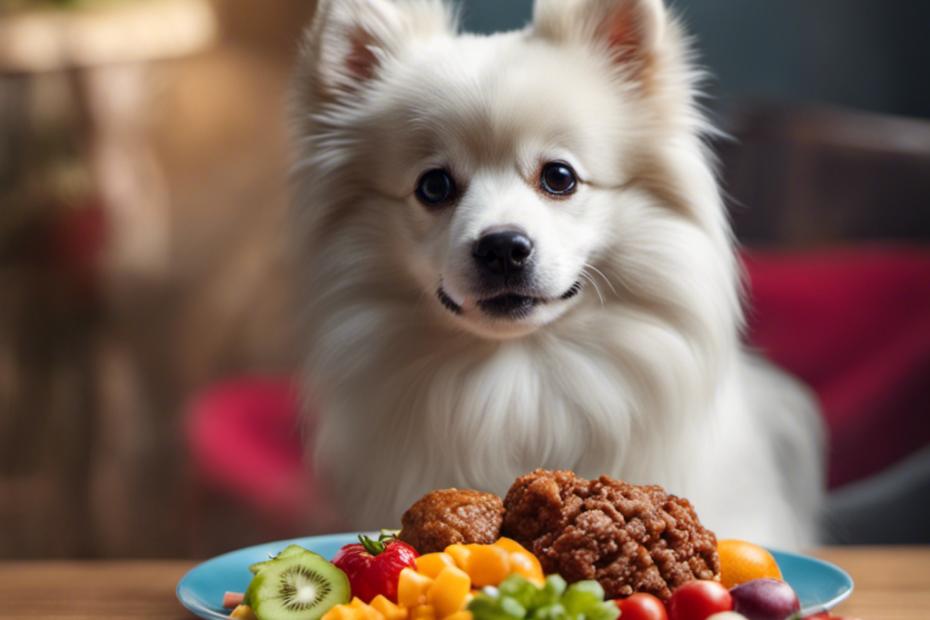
{"x": 892, "y": 583}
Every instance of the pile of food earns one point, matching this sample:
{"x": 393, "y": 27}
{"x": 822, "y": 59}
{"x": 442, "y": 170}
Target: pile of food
{"x": 629, "y": 538}
{"x": 556, "y": 547}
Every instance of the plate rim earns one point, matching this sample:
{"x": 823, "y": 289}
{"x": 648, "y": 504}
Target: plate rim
{"x": 198, "y": 609}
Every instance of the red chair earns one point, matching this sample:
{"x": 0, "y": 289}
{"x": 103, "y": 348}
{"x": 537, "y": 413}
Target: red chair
{"x": 854, "y": 323}
{"x": 244, "y": 442}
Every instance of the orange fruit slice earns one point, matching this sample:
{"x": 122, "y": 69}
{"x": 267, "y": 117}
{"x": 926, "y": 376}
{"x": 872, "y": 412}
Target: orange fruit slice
{"x": 742, "y": 561}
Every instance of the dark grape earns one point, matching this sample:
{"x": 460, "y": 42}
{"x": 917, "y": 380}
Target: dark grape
{"x": 765, "y": 599}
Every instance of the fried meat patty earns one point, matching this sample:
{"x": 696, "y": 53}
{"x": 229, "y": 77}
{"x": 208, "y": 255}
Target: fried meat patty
{"x": 629, "y": 538}
{"x": 441, "y": 518}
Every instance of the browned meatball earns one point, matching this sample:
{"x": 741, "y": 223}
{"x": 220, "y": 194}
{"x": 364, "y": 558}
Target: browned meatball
{"x": 630, "y": 538}
{"x": 448, "y": 516}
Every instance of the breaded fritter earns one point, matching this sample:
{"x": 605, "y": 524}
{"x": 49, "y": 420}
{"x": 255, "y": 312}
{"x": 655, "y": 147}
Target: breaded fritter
{"x": 441, "y": 518}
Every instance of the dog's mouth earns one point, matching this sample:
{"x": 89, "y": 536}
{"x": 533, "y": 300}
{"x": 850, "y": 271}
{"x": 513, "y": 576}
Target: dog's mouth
{"x": 509, "y": 305}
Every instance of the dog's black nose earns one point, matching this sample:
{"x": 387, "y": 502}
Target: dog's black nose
{"x": 503, "y": 252}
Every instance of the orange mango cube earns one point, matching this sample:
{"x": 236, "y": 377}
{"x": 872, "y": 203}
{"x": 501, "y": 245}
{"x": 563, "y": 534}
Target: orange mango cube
{"x": 389, "y": 610}
{"x": 423, "y": 612}
{"x": 459, "y": 553}
{"x": 341, "y": 612}
{"x": 243, "y": 612}
{"x": 447, "y": 595}
{"x": 487, "y": 565}
{"x": 431, "y": 564}
{"x": 412, "y": 588}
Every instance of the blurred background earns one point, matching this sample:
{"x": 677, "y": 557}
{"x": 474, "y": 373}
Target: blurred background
{"x": 146, "y": 333}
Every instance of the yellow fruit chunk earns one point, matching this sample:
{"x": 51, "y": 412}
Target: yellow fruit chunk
{"x": 510, "y": 545}
{"x": 243, "y": 612}
{"x": 431, "y": 564}
{"x": 370, "y": 613}
{"x": 487, "y": 565}
{"x": 423, "y": 612}
{"x": 522, "y": 561}
{"x": 341, "y": 612}
{"x": 359, "y": 610}
{"x": 448, "y": 592}
{"x": 462, "y": 614}
{"x": 742, "y": 561}
{"x": 412, "y": 587}
{"x": 355, "y": 609}
{"x": 459, "y": 553}
{"x": 526, "y": 564}
{"x": 389, "y": 610}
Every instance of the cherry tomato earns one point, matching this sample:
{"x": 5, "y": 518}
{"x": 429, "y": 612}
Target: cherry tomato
{"x": 641, "y": 606}
{"x": 698, "y": 600}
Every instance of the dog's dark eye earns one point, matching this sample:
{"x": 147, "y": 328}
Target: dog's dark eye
{"x": 435, "y": 187}
{"x": 557, "y": 178}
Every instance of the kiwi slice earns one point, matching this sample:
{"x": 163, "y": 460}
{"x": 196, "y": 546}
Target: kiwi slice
{"x": 259, "y": 565}
{"x": 286, "y": 553}
{"x": 302, "y": 586}
{"x": 291, "y": 550}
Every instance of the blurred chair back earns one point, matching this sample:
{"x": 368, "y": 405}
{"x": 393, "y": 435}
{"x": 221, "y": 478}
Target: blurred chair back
{"x": 801, "y": 176}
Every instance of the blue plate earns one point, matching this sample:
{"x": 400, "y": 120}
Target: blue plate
{"x": 820, "y": 585}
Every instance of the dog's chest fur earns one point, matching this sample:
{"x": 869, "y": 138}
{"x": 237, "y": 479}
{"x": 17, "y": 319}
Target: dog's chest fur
{"x": 480, "y": 416}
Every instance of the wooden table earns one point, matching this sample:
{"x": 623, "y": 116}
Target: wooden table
{"x": 892, "y": 583}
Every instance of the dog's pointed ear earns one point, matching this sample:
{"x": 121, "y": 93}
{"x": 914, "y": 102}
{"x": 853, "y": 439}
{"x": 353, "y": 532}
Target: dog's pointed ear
{"x": 349, "y": 40}
{"x": 630, "y": 30}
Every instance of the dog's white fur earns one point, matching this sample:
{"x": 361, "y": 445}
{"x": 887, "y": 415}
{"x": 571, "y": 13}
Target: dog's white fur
{"x": 641, "y": 376}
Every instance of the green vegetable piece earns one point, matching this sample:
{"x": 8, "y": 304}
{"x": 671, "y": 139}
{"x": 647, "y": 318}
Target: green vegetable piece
{"x": 520, "y": 589}
{"x": 484, "y": 607}
{"x": 555, "y": 585}
{"x": 605, "y": 611}
{"x": 516, "y": 598}
{"x": 555, "y": 611}
{"x": 588, "y": 587}
{"x": 512, "y": 607}
{"x": 582, "y": 596}
{"x": 550, "y": 593}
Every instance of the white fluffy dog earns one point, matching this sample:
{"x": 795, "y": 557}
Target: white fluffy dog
{"x": 514, "y": 254}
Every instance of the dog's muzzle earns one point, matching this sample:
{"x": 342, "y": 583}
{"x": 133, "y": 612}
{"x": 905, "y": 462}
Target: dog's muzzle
{"x": 504, "y": 277}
